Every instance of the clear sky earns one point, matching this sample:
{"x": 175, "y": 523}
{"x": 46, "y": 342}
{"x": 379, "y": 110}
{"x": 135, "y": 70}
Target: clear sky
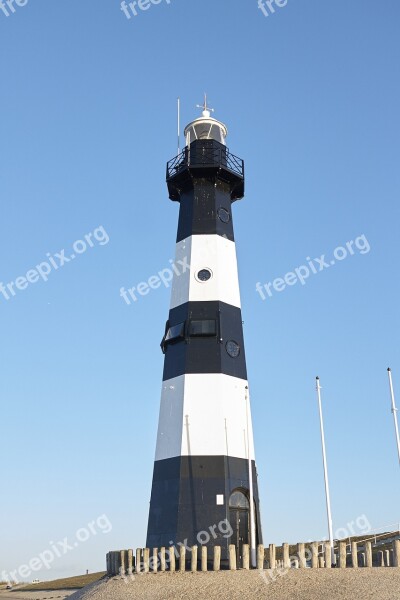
{"x": 311, "y": 97}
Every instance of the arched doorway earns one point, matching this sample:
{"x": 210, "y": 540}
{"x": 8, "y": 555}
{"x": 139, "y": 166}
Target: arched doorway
{"x": 239, "y": 518}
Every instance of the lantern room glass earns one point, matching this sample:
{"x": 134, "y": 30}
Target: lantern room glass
{"x": 205, "y": 129}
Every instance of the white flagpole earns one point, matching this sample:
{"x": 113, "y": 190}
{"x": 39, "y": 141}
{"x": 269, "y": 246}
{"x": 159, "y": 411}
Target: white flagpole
{"x": 328, "y": 499}
{"x": 394, "y": 411}
{"x": 179, "y": 126}
{"x": 251, "y": 495}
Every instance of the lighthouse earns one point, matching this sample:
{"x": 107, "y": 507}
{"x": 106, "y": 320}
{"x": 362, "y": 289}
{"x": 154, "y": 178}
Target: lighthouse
{"x": 204, "y": 488}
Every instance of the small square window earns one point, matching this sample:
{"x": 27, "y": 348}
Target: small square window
{"x": 220, "y": 499}
{"x": 203, "y": 328}
{"x": 174, "y": 332}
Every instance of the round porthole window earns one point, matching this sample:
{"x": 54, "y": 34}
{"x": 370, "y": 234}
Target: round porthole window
{"x": 232, "y": 348}
{"x": 204, "y": 275}
{"x": 224, "y": 215}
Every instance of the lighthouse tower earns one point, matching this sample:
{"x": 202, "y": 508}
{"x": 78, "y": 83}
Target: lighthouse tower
{"x": 205, "y": 481}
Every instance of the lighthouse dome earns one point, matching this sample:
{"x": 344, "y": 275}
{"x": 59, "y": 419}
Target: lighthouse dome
{"x": 206, "y": 128}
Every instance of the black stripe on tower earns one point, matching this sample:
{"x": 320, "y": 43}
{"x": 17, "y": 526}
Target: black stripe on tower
{"x": 205, "y": 209}
{"x": 183, "y": 500}
{"x": 204, "y": 337}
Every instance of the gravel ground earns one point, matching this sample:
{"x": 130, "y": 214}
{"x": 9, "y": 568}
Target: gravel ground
{"x": 324, "y": 584}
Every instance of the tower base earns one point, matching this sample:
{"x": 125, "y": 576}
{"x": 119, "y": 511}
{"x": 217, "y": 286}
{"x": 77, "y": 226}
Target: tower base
{"x": 202, "y": 500}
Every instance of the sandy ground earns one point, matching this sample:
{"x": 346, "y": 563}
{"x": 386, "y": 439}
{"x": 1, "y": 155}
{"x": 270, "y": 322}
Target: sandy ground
{"x": 324, "y": 584}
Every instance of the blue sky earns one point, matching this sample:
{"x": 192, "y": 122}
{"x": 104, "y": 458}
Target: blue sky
{"x": 310, "y": 95}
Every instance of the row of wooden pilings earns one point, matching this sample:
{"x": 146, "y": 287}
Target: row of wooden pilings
{"x": 361, "y": 554}
{"x": 124, "y": 562}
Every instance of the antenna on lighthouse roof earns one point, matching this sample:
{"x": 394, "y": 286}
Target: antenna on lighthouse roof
{"x": 206, "y": 109}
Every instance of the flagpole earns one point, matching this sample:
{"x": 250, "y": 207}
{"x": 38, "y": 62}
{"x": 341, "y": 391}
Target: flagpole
{"x": 394, "y": 411}
{"x": 327, "y": 493}
{"x": 179, "y": 126}
{"x": 251, "y": 495}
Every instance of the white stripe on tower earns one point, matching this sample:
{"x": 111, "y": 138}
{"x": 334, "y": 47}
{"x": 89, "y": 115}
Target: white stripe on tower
{"x": 212, "y": 252}
{"x": 203, "y": 415}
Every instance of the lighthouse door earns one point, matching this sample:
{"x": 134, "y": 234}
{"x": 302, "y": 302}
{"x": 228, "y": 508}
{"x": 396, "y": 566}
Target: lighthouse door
{"x": 240, "y": 522}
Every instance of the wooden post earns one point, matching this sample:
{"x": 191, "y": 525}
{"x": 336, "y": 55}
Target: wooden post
{"x": 321, "y": 562}
{"x": 396, "y": 552}
{"x": 146, "y": 559}
{"x": 286, "y": 559}
{"x": 138, "y": 560}
{"x": 328, "y": 555}
{"x": 162, "y": 559}
{"x": 182, "y": 559}
{"x": 387, "y": 558}
{"x": 114, "y": 563}
{"x": 246, "y": 557}
{"x": 354, "y": 555}
{"x": 260, "y": 557}
{"x": 368, "y": 554}
{"x": 194, "y": 559}
{"x": 122, "y": 568}
{"x": 118, "y": 563}
{"x": 204, "y": 559}
{"x": 381, "y": 559}
{"x": 232, "y": 557}
{"x": 302, "y": 556}
{"x": 217, "y": 558}
{"x": 272, "y": 556}
{"x": 154, "y": 561}
{"x": 314, "y": 555}
{"x": 342, "y": 555}
{"x": 130, "y": 562}
{"x": 172, "y": 565}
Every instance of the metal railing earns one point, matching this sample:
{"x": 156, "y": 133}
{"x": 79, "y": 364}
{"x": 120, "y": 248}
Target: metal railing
{"x": 203, "y": 156}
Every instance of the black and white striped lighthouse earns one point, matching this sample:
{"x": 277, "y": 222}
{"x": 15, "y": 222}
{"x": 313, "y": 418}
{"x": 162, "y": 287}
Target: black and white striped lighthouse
{"x": 205, "y": 481}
